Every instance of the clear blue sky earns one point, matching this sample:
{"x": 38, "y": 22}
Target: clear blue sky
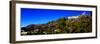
{"x": 41, "y": 16}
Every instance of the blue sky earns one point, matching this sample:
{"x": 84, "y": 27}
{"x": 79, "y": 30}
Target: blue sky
{"x": 42, "y": 16}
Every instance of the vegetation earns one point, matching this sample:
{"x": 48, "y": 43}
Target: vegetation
{"x": 82, "y": 24}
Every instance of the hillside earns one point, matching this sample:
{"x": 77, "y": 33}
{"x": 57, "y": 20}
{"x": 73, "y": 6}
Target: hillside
{"x": 82, "y": 24}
